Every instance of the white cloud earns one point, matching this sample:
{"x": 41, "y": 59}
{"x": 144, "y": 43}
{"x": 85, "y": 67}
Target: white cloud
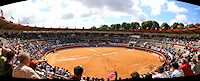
{"x": 182, "y": 18}
{"x": 179, "y": 18}
{"x": 159, "y": 22}
{"x": 73, "y": 14}
{"x": 114, "y": 8}
{"x": 198, "y": 8}
{"x": 155, "y": 5}
{"x": 172, "y": 21}
{"x": 172, "y": 7}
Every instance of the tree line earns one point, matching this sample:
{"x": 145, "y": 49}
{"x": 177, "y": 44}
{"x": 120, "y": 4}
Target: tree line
{"x": 146, "y": 25}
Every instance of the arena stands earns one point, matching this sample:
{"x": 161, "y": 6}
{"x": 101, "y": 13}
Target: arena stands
{"x": 173, "y": 49}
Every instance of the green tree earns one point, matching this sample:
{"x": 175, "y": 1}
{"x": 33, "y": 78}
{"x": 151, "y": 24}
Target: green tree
{"x": 104, "y": 26}
{"x": 93, "y": 27}
{"x": 182, "y": 25}
{"x": 175, "y": 25}
{"x": 191, "y": 25}
{"x": 135, "y": 25}
{"x": 123, "y": 24}
{"x": 118, "y": 26}
{"x": 146, "y": 24}
{"x": 112, "y": 26}
{"x": 155, "y": 25}
{"x": 127, "y": 26}
{"x": 166, "y": 26}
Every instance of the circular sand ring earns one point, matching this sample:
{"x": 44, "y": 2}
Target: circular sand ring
{"x": 100, "y": 61}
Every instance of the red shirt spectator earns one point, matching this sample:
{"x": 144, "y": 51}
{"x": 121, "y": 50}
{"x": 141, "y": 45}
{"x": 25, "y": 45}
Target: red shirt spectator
{"x": 186, "y": 69}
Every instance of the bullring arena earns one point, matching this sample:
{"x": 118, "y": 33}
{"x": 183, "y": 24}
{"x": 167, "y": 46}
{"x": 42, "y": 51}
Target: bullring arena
{"x": 100, "y": 51}
{"x": 100, "y": 61}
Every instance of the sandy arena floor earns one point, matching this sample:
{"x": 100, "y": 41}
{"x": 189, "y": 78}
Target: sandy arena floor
{"x": 101, "y": 61}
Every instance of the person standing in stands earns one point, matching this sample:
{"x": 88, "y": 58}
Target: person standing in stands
{"x": 3, "y": 58}
{"x": 186, "y": 68}
{"x": 78, "y": 71}
{"x": 22, "y": 70}
{"x": 176, "y": 72}
{"x": 195, "y": 67}
{"x": 160, "y": 73}
{"x": 7, "y": 66}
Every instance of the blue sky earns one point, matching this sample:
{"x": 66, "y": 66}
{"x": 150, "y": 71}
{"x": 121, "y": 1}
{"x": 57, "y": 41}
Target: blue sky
{"x": 88, "y": 13}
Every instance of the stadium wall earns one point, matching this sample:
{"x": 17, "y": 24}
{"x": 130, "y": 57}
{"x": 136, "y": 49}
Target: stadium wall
{"x": 136, "y": 48}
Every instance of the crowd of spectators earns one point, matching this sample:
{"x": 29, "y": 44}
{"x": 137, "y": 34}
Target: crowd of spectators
{"x": 23, "y": 60}
{"x": 179, "y": 62}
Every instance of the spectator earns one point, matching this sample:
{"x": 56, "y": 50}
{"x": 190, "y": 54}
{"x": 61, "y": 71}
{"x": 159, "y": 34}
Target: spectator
{"x": 161, "y": 73}
{"x": 195, "y": 67}
{"x": 33, "y": 64}
{"x": 198, "y": 61}
{"x": 54, "y": 69}
{"x": 7, "y": 66}
{"x": 135, "y": 74}
{"x": 78, "y": 70}
{"x": 3, "y": 59}
{"x": 186, "y": 68}
{"x": 148, "y": 75}
{"x": 176, "y": 72}
{"x": 22, "y": 70}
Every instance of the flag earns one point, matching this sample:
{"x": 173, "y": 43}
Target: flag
{"x": 178, "y": 26}
{"x": 1, "y": 12}
{"x": 195, "y": 23}
{"x": 11, "y": 17}
{"x": 171, "y": 28}
{"x": 27, "y": 23}
{"x": 111, "y": 74}
{"x": 107, "y": 28}
{"x": 147, "y": 28}
{"x": 163, "y": 27}
{"x": 158, "y": 58}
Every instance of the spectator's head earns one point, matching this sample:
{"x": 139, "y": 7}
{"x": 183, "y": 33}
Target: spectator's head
{"x": 78, "y": 70}
{"x": 33, "y": 64}
{"x": 10, "y": 55}
{"x": 5, "y": 51}
{"x": 183, "y": 60}
{"x": 135, "y": 74}
{"x": 199, "y": 57}
{"x": 174, "y": 65}
{"x": 24, "y": 58}
{"x": 148, "y": 75}
{"x": 194, "y": 61}
{"x": 160, "y": 69}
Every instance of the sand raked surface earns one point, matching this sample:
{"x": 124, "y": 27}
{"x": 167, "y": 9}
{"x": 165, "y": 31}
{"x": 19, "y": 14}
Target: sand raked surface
{"x": 99, "y": 62}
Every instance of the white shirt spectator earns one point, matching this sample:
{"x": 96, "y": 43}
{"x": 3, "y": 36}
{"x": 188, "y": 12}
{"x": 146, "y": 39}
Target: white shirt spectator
{"x": 161, "y": 75}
